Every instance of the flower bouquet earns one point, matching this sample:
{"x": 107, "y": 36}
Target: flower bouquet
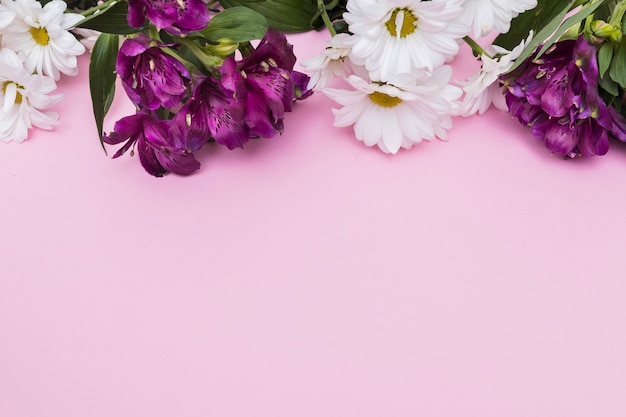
{"x": 222, "y": 71}
{"x": 190, "y": 68}
{"x": 559, "y": 67}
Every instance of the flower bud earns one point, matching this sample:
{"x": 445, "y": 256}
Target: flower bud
{"x": 601, "y": 30}
{"x": 224, "y": 48}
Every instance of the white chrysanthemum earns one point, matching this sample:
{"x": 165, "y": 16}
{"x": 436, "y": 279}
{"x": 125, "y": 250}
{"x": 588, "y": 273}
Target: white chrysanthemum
{"x": 400, "y": 36}
{"x": 487, "y": 15}
{"x": 483, "y": 89}
{"x": 6, "y": 16}
{"x": 399, "y": 113}
{"x": 23, "y": 96}
{"x": 333, "y": 62}
{"x": 41, "y": 37}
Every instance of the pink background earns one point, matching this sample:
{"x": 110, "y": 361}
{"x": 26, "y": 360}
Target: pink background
{"x": 309, "y": 275}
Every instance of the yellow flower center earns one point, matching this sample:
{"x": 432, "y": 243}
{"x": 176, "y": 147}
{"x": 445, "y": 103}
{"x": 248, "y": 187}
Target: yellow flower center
{"x": 401, "y": 23}
{"x": 18, "y": 95}
{"x": 40, "y": 35}
{"x": 384, "y": 100}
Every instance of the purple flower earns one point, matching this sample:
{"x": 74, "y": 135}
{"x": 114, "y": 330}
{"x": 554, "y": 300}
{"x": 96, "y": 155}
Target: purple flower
{"x": 151, "y": 77}
{"x": 557, "y": 96}
{"x": 159, "y": 151}
{"x": 216, "y": 109}
{"x": 177, "y": 17}
{"x": 301, "y": 82}
{"x": 268, "y": 83}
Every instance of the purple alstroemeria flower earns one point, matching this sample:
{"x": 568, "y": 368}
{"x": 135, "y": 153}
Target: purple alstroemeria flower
{"x": 151, "y": 78}
{"x": 177, "y": 17}
{"x": 557, "y": 96}
{"x": 301, "y": 82}
{"x": 269, "y": 85}
{"x": 158, "y": 150}
{"x": 216, "y": 109}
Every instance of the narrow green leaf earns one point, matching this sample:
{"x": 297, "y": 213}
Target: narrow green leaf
{"x": 535, "y": 19}
{"x": 111, "y": 20}
{"x": 574, "y": 19}
{"x": 540, "y": 37}
{"x": 605, "y": 55}
{"x": 102, "y": 77}
{"x": 609, "y": 86}
{"x": 282, "y": 15}
{"x": 239, "y": 24}
{"x": 617, "y": 71}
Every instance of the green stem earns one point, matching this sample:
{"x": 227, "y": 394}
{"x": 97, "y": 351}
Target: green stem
{"x": 476, "y": 48}
{"x": 96, "y": 9}
{"x": 321, "y": 7}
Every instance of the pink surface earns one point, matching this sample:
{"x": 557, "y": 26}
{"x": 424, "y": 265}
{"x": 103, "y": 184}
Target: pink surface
{"x": 308, "y": 275}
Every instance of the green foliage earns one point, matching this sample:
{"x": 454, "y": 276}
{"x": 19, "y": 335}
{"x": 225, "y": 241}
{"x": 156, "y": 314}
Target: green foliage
{"x": 547, "y": 11}
{"x": 239, "y": 24}
{"x": 617, "y": 68}
{"x": 110, "y": 20}
{"x": 102, "y": 77}
{"x": 551, "y": 31}
{"x": 282, "y": 15}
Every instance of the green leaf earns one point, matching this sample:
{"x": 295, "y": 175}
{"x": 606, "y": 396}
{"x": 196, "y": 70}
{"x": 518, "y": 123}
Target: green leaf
{"x": 609, "y": 86}
{"x": 605, "y": 55}
{"x": 617, "y": 71}
{"x": 575, "y": 19}
{"x": 239, "y": 24}
{"x": 282, "y": 15}
{"x": 110, "y": 20}
{"x": 541, "y": 36}
{"x": 102, "y": 77}
{"x": 535, "y": 20}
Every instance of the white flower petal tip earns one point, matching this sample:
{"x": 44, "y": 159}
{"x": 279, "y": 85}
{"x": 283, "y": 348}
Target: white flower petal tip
{"x": 485, "y": 16}
{"x": 483, "y": 89}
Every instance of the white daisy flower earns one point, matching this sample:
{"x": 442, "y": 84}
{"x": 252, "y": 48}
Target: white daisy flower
{"x": 483, "y": 89}
{"x": 41, "y": 37}
{"x": 6, "y": 16}
{"x": 333, "y": 62}
{"x": 486, "y": 15}
{"x": 399, "y": 36}
{"x": 399, "y": 113}
{"x": 23, "y": 99}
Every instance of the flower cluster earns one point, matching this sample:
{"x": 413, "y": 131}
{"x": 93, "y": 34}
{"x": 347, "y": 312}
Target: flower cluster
{"x": 36, "y": 46}
{"x": 558, "y": 96}
{"x": 394, "y": 57}
{"x": 245, "y": 98}
{"x": 559, "y": 68}
{"x": 189, "y": 86}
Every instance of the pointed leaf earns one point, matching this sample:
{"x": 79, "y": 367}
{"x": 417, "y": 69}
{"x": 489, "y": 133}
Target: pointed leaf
{"x": 282, "y": 15}
{"x": 110, "y": 20}
{"x": 617, "y": 71}
{"x": 102, "y": 77}
{"x": 535, "y": 20}
{"x": 239, "y": 24}
{"x": 543, "y": 34}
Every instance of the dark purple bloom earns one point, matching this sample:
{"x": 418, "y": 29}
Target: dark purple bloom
{"x": 216, "y": 109}
{"x": 159, "y": 152}
{"x": 268, "y": 83}
{"x": 151, "y": 78}
{"x": 301, "y": 82}
{"x": 557, "y": 96}
{"x": 177, "y": 17}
